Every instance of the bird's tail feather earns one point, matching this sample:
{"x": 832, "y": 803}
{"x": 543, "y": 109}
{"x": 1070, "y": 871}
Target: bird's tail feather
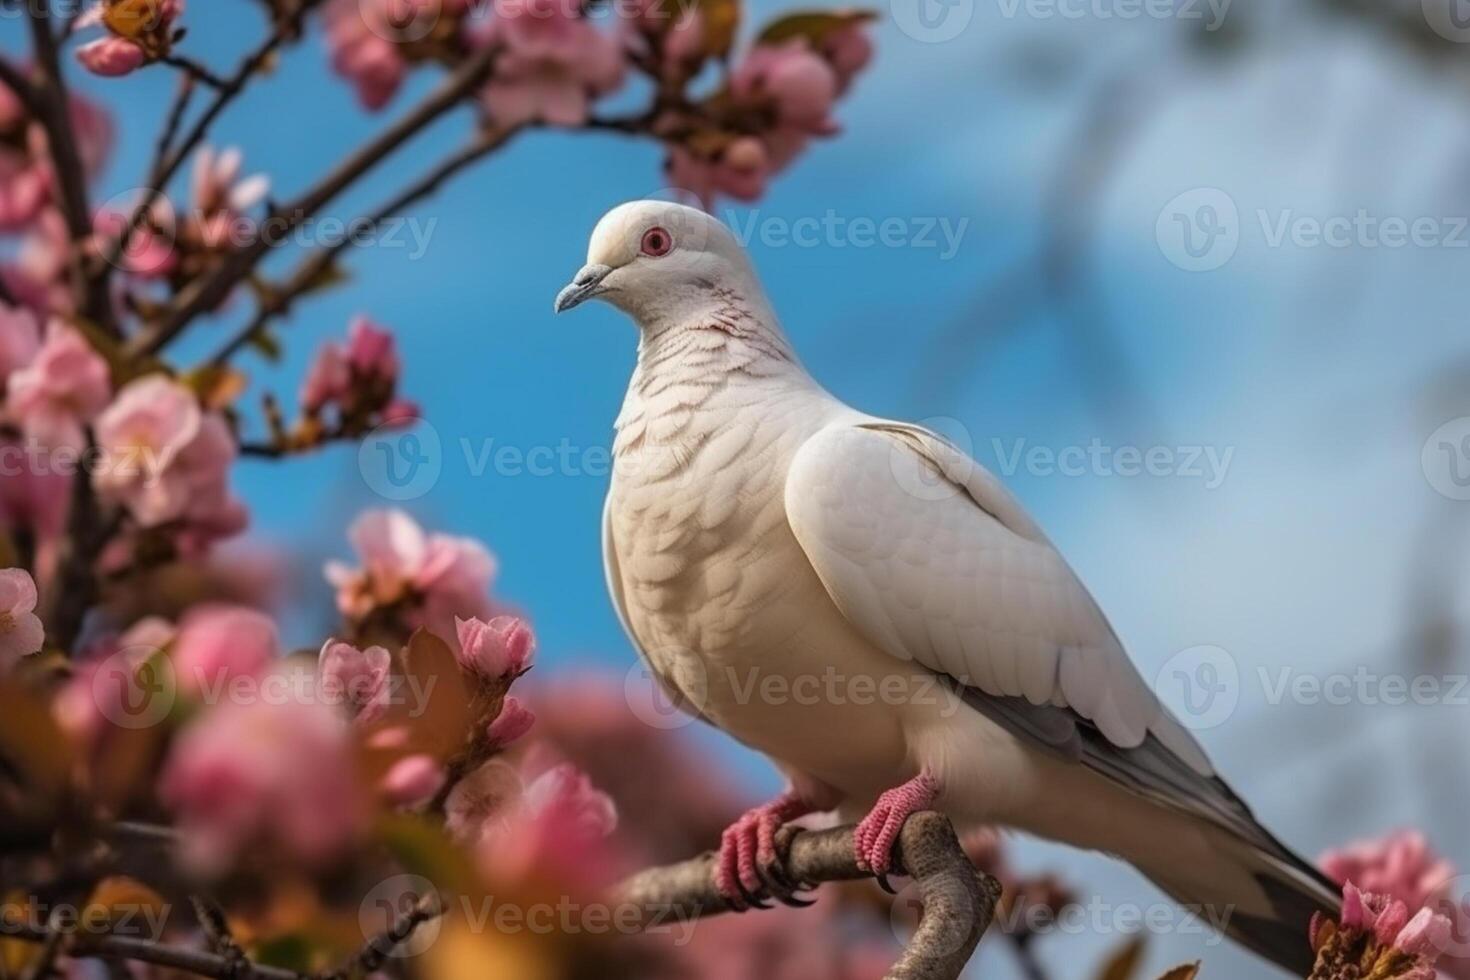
{"x": 1264, "y": 899}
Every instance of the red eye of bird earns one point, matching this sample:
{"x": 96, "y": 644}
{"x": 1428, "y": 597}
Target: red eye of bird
{"x": 657, "y": 242}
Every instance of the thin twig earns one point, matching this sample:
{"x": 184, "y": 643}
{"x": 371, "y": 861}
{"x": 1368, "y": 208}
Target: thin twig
{"x": 207, "y": 293}
{"x": 193, "y": 69}
{"x": 172, "y": 122}
{"x": 310, "y": 271}
{"x": 164, "y": 168}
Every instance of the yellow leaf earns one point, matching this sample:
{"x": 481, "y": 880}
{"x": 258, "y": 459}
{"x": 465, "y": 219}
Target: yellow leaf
{"x": 126, "y": 903}
{"x": 1124, "y": 962}
{"x": 216, "y": 387}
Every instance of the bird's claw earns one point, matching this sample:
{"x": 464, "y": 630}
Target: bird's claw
{"x": 874, "y": 839}
{"x": 751, "y": 867}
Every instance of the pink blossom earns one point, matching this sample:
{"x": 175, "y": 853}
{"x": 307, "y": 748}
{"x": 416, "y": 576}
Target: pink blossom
{"x": 359, "y": 37}
{"x": 25, "y": 188}
{"x": 356, "y": 679}
{"x": 217, "y": 643}
{"x": 150, "y": 253}
{"x": 482, "y": 802}
{"x": 216, "y": 183}
{"x": 440, "y": 575}
{"x": 739, "y": 171}
{"x": 36, "y": 497}
{"x": 111, "y": 57}
{"x": 514, "y": 720}
{"x": 371, "y": 351}
{"x": 554, "y": 64}
{"x": 503, "y": 647}
{"x": 412, "y": 781}
{"x": 139, "y": 32}
{"x": 264, "y": 772}
{"x": 20, "y": 338}
{"x": 401, "y": 412}
{"x": 38, "y": 276}
{"x": 848, "y": 50}
{"x": 167, "y": 460}
{"x": 65, "y": 385}
{"x": 329, "y": 378}
{"x": 800, "y": 85}
{"x": 561, "y": 823}
{"x": 1400, "y": 865}
{"x": 21, "y": 632}
{"x": 27, "y": 183}
{"x": 119, "y": 680}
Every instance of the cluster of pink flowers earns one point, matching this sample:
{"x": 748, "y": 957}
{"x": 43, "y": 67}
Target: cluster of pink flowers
{"x": 65, "y": 384}
{"x": 373, "y": 43}
{"x": 27, "y": 181}
{"x": 1376, "y": 936}
{"x": 781, "y": 93}
{"x": 554, "y": 63}
{"x": 430, "y": 578}
{"x": 359, "y": 379}
{"x": 138, "y": 32}
{"x": 1403, "y": 868}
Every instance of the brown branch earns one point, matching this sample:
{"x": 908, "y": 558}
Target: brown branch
{"x": 308, "y": 273}
{"x": 958, "y": 901}
{"x": 206, "y": 294}
{"x": 196, "y": 71}
{"x": 110, "y": 947}
{"x": 52, "y": 107}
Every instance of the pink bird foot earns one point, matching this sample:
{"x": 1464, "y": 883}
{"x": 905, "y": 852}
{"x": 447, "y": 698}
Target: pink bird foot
{"x": 748, "y": 865}
{"x": 875, "y": 836}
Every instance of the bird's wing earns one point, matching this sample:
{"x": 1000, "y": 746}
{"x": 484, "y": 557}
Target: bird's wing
{"x": 614, "y": 579}
{"x": 927, "y": 554}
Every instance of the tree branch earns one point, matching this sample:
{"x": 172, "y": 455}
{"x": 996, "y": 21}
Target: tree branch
{"x": 205, "y": 294}
{"x": 309, "y": 272}
{"x": 226, "y": 91}
{"x": 51, "y": 103}
{"x": 958, "y": 901}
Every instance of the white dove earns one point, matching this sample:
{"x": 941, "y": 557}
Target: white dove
{"x": 868, "y": 607}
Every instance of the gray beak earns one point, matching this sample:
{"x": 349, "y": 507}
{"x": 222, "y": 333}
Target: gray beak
{"x": 585, "y": 285}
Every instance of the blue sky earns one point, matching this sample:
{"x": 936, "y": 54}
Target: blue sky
{"x": 1310, "y": 364}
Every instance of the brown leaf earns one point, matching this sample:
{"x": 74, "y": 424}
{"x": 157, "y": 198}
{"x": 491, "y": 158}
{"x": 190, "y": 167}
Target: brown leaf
{"x": 123, "y": 900}
{"x": 216, "y": 387}
{"x": 813, "y": 25}
{"x": 1124, "y": 961}
{"x": 721, "y": 21}
{"x": 430, "y": 713}
{"x": 32, "y": 742}
{"x": 1186, "y": 972}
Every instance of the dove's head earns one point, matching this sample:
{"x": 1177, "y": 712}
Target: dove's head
{"x": 660, "y": 262}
